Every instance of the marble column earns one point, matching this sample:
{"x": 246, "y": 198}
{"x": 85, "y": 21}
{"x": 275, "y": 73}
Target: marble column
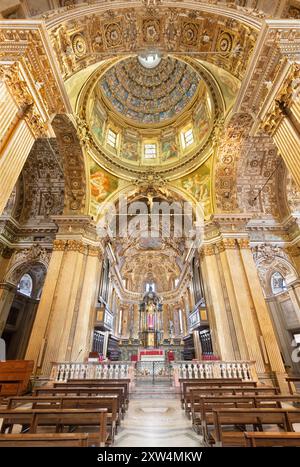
{"x": 16, "y": 141}
{"x": 247, "y": 331}
{"x": 287, "y": 140}
{"x": 36, "y": 345}
{"x": 7, "y": 289}
{"x": 125, "y": 321}
{"x": 7, "y": 295}
{"x": 263, "y": 317}
{"x": 294, "y": 293}
{"x": 166, "y": 320}
{"x": 136, "y": 321}
{"x": 87, "y": 305}
{"x": 216, "y": 307}
{"x": 65, "y": 318}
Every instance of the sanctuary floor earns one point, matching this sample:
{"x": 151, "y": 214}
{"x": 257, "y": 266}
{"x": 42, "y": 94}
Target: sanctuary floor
{"x": 155, "y": 419}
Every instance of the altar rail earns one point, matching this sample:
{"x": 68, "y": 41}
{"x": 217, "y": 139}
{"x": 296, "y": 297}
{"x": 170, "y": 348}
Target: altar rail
{"x": 61, "y": 372}
{"x": 215, "y": 369}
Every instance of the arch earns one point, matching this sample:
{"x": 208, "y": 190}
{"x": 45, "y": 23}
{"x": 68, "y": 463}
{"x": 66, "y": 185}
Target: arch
{"x": 37, "y": 269}
{"x": 267, "y": 266}
{"x": 135, "y": 28}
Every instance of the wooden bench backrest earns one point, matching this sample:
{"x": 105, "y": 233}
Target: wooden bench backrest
{"x": 99, "y": 383}
{"x": 257, "y": 416}
{"x": 272, "y": 439}
{"x": 124, "y": 383}
{"x": 14, "y": 376}
{"x": 57, "y": 418}
{"x": 234, "y": 391}
{"x": 186, "y": 385}
{"x": 44, "y": 440}
{"x": 110, "y": 402}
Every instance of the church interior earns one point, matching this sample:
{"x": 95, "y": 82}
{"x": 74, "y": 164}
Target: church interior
{"x": 149, "y": 223}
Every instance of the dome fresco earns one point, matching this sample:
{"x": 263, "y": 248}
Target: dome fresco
{"x": 162, "y": 118}
{"x": 149, "y": 95}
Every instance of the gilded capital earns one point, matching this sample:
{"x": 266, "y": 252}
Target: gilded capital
{"x": 229, "y": 243}
{"x": 59, "y": 245}
{"x": 243, "y": 243}
{"x": 93, "y": 250}
{"x": 75, "y": 245}
{"x": 208, "y": 250}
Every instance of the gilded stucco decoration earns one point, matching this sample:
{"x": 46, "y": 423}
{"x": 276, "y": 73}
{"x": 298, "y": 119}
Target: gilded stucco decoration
{"x": 35, "y": 258}
{"x": 171, "y": 29}
{"x": 26, "y": 63}
{"x": 73, "y": 164}
{"x": 270, "y": 259}
{"x": 43, "y": 182}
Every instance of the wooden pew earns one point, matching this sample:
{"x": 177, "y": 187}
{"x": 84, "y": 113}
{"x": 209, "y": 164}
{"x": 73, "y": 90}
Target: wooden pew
{"x": 14, "y": 376}
{"x": 217, "y": 383}
{"x": 271, "y": 439}
{"x": 291, "y": 381}
{"x": 109, "y": 402}
{"x": 240, "y": 417}
{"x": 47, "y": 440}
{"x": 58, "y": 419}
{"x": 91, "y": 383}
{"x": 202, "y": 406}
{"x": 124, "y": 382}
{"x": 202, "y": 382}
{"x": 235, "y": 389}
{"x": 85, "y": 391}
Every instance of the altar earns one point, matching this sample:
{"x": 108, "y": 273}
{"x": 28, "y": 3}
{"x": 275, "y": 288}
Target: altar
{"x": 151, "y": 355}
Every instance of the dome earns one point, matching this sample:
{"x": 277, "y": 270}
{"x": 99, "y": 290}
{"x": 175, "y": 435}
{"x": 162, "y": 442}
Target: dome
{"x": 160, "y": 117}
{"x": 149, "y": 95}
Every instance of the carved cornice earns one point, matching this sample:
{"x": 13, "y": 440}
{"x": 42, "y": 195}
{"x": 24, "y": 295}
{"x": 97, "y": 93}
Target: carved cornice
{"x": 232, "y": 223}
{"x": 276, "y": 49}
{"x": 27, "y": 42}
{"x": 284, "y": 99}
{"x": 13, "y": 77}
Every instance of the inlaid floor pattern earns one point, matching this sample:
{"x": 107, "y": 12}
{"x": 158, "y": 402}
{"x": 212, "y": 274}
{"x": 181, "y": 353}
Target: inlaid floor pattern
{"x": 155, "y": 418}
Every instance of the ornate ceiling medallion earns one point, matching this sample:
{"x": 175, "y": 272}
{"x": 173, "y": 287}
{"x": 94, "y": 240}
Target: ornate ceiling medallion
{"x": 79, "y": 45}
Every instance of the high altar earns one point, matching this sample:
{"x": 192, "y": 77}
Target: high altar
{"x": 150, "y": 323}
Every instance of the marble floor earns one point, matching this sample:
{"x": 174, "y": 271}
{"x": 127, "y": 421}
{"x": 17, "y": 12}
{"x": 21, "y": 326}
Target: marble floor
{"x": 155, "y": 419}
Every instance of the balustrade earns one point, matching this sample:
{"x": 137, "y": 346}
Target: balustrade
{"x": 61, "y": 372}
{"x": 245, "y": 370}
{"x": 215, "y": 369}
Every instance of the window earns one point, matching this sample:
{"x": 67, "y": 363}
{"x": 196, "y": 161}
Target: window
{"x": 188, "y": 138}
{"x": 150, "y": 151}
{"x": 180, "y": 320}
{"x": 150, "y": 60}
{"x": 278, "y": 283}
{"x": 112, "y": 138}
{"x": 150, "y": 285}
{"x": 25, "y": 285}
